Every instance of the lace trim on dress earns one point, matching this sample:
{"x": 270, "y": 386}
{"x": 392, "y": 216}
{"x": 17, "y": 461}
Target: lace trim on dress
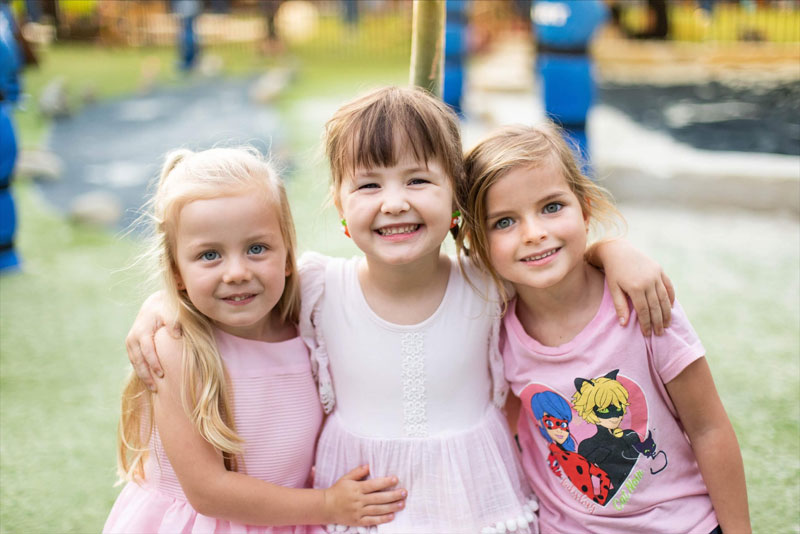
{"x": 525, "y": 523}
{"x": 415, "y": 417}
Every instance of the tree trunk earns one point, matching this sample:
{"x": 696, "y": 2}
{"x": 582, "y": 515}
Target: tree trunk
{"x": 427, "y": 45}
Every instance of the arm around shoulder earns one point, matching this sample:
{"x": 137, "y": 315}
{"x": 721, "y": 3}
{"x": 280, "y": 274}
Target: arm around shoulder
{"x": 214, "y": 491}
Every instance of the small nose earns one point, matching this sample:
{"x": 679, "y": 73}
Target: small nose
{"x": 533, "y": 230}
{"x": 237, "y": 271}
{"x": 394, "y": 201}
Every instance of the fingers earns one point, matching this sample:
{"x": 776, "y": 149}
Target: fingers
{"x": 620, "y": 303}
{"x": 356, "y": 474}
{"x": 148, "y": 347}
{"x": 382, "y": 510}
{"x": 378, "y": 484}
{"x": 665, "y": 303}
{"x": 654, "y": 308}
{"x": 670, "y": 289}
{"x": 639, "y": 300}
{"x": 175, "y": 330}
{"x": 139, "y": 363}
{"x": 385, "y": 497}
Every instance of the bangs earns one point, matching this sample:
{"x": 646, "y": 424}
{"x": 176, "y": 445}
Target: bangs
{"x": 388, "y": 132}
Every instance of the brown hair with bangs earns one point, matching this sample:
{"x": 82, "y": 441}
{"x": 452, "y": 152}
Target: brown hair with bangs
{"x": 512, "y": 147}
{"x": 374, "y": 129}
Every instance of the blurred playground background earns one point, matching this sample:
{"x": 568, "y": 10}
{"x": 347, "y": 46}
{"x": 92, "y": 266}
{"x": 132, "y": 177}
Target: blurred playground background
{"x": 696, "y": 131}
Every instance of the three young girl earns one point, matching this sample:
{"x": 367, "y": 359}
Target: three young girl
{"x": 404, "y": 343}
{"x": 229, "y": 438}
{"x": 620, "y": 432}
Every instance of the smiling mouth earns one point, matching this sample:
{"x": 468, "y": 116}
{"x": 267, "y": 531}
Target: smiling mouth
{"x": 396, "y": 230}
{"x": 239, "y": 298}
{"x": 541, "y": 256}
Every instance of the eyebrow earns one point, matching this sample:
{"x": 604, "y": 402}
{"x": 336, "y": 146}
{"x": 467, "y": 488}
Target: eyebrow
{"x": 252, "y": 238}
{"x": 544, "y": 200}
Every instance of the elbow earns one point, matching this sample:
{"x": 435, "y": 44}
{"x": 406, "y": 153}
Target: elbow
{"x": 203, "y": 502}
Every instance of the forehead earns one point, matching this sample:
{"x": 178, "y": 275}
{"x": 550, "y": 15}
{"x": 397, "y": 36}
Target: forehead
{"x": 528, "y": 182}
{"x": 227, "y": 218}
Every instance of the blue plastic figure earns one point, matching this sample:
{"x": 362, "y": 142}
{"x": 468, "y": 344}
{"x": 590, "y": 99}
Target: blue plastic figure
{"x": 563, "y": 30}
{"x": 455, "y": 50}
{"x": 10, "y": 65}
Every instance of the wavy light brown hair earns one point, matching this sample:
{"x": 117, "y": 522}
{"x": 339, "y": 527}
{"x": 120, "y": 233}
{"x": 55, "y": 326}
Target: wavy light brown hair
{"x": 185, "y": 177}
{"x": 368, "y": 131}
{"x": 512, "y": 147}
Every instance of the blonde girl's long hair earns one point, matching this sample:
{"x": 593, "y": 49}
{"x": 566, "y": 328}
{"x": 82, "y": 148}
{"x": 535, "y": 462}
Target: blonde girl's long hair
{"x": 512, "y": 147}
{"x": 187, "y": 176}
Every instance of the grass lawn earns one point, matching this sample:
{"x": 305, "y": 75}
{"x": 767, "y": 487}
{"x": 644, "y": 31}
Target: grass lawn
{"x": 64, "y": 317}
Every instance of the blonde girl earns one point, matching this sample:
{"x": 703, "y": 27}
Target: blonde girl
{"x": 404, "y": 347}
{"x": 653, "y": 421}
{"x": 229, "y": 438}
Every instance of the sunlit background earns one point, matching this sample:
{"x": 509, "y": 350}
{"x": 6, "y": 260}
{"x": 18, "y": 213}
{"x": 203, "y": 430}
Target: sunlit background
{"x": 695, "y": 130}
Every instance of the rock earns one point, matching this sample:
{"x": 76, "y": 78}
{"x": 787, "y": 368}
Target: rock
{"x": 39, "y": 164}
{"x": 211, "y": 65}
{"x": 270, "y": 85}
{"x": 54, "y": 100}
{"x": 97, "y": 208}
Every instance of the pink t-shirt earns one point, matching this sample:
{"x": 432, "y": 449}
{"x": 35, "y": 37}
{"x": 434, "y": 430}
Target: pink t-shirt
{"x": 634, "y": 474}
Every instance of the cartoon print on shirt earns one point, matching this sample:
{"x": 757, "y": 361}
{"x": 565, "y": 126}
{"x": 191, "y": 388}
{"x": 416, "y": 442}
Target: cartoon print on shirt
{"x": 649, "y": 449}
{"x": 603, "y": 402}
{"x": 553, "y": 415}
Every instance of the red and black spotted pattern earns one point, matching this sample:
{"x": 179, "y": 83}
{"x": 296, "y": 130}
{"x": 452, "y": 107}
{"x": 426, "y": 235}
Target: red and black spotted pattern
{"x": 580, "y": 471}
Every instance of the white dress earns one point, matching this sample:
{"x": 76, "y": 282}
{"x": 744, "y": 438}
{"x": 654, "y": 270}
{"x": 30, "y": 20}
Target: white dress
{"x": 416, "y": 401}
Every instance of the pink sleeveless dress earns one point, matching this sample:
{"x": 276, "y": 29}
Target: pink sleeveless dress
{"x": 277, "y": 413}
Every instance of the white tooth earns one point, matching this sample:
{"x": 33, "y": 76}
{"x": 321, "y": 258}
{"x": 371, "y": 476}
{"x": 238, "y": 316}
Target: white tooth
{"x": 398, "y": 230}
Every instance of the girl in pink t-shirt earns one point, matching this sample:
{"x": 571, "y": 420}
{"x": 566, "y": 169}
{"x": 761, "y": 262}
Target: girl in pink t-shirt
{"x": 620, "y": 432}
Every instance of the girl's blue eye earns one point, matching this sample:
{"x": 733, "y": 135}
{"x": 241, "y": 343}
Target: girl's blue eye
{"x": 505, "y": 222}
{"x": 553, "y": 207}
{"x": 418, "y": 181}
{"x": 210, "y": 255}
{"x": 367, "y": 186}
{"x": 257, "y": 249}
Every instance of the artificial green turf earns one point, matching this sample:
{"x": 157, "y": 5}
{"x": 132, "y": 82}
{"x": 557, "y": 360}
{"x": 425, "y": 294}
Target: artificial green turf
{"x": 64, "y": 317}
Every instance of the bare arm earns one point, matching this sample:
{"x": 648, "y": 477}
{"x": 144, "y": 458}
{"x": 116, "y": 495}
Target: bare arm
{"x": 629, "y": 271}
{"x": 714, "y": 443}
{"x": 216, "y": 492}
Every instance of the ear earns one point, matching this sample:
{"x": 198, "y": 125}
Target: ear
{"x": 579, "y": 383}
{"x": 612, "y": 375}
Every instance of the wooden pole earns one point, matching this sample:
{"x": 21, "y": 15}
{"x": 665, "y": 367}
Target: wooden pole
{"x": 427, "y": 45}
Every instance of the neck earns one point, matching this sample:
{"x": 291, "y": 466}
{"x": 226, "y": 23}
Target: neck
{"x": 270, "y": 329}
{"x": 401, "y": 279}
{"x": 408, "y": 293}
{"x": 556, "y": 314}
